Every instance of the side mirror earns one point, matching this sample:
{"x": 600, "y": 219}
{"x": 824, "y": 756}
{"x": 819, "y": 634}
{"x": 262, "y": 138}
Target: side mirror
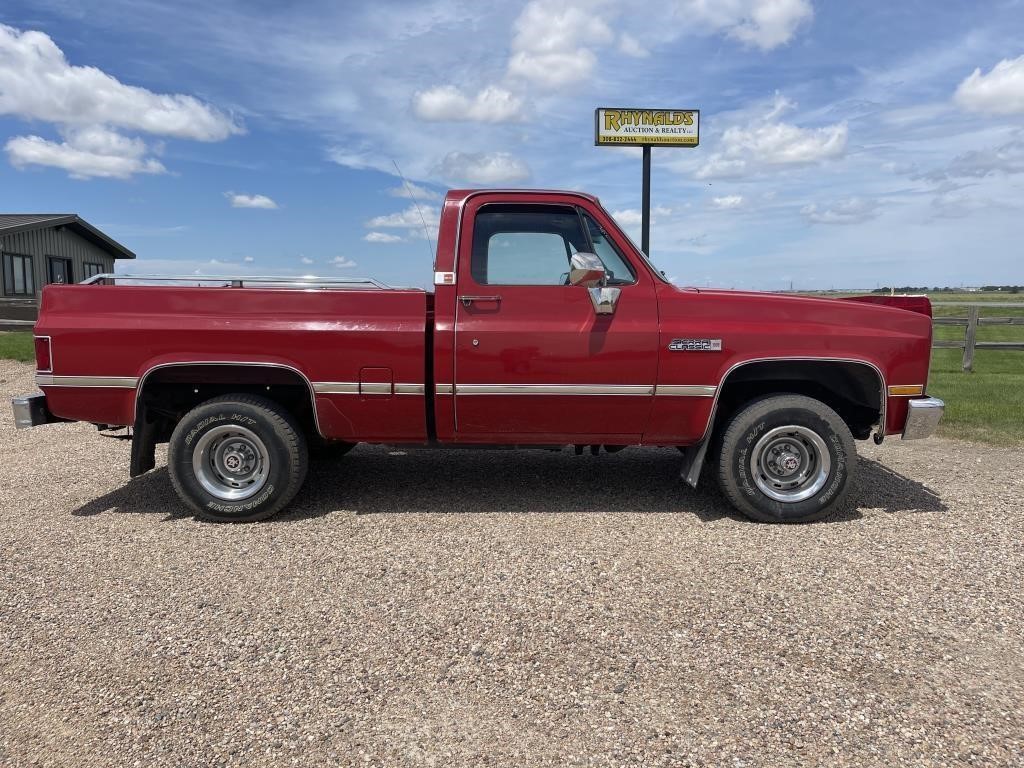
{"x": 586, "y": 269}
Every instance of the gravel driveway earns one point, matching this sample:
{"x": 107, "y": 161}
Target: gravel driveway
{"x": 507, "y": 609}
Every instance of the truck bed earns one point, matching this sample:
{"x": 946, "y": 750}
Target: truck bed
{"x": 364, "y": 342}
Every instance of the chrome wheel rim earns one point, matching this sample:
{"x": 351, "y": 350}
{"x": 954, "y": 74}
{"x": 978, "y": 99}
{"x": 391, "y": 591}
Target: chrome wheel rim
{"x": 790, "y": 464}
{"x": 231, "y": 462}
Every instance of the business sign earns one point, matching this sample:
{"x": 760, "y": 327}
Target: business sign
{"x": 647, "y": 127}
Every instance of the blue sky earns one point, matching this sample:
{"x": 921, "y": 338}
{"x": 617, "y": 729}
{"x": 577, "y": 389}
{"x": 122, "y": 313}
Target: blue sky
{"x": 842, "y": 144}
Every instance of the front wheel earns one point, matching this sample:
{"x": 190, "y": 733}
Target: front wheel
{"x": 786, "y": 459}
{"x": 237, "y": 458}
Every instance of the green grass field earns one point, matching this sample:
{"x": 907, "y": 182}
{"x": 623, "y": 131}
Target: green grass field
{"x": 986, "y": 405}
{"x": 17, "y": 346}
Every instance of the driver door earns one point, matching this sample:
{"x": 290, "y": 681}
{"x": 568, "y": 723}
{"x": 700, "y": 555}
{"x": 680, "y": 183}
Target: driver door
{"x": 533, "y": 359}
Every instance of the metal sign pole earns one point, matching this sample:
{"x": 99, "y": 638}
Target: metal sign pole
{"x": 645, "y": 204}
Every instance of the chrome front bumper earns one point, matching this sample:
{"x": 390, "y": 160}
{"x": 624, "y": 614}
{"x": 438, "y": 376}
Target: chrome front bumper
{"x": 31, "y": 411}
{"x": 923, "y": 416}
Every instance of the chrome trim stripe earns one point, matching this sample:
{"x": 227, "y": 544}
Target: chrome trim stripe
{"x": 410, "y": 389}
{"x": 686, "y": 390}
{"x": 553, "y": 389}
{"x": 366, "y": 388}
{"x": 336, "y": 387}
{"x": 444, "y": 389}
{"x": 114, "y": 382}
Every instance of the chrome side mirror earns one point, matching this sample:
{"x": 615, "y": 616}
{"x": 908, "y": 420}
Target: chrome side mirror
{"x": 586, "y": 269}
{"x": 604, "y": 299}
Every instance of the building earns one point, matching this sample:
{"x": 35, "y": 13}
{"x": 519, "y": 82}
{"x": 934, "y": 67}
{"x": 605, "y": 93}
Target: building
{"x": 36, "y": 249}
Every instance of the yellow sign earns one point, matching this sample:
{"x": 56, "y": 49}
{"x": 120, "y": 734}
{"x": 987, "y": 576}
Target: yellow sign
{"x": 650, "y": 127}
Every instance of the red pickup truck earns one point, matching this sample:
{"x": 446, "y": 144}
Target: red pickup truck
{"x": 547, "y": 327}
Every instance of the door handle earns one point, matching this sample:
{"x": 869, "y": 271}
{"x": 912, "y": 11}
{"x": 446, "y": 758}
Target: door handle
{"x": 467, "y": 300}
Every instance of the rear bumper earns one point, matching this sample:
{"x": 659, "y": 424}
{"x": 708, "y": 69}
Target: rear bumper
{"x": 31, "y": 411}
{"x": 923, "y": 416}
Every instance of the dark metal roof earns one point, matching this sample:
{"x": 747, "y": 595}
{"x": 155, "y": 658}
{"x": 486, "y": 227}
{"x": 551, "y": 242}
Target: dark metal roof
{"x": 13, "y": 223}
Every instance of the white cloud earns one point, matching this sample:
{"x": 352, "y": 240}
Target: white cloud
{"x": 341, "y": 262}
{"x": 484, "y": 168}
{"x": 630, "y": 46}
{"x": 1000, "y": 92}
{"x": 412, "y": 191}
{"x": 765, "y": 143}
{"x": 381, "y": 237}
{"x": 305, "y": 260}
{"x": 250, "y": 201}
{"x": 552, "y": 43}
{"x": 629, "y": 218}
{"x": 38, "y": 83}
{"x": 853, "y": 210}
{"x": 410, "y": 218}
{"x": 727, "y": 201}
{"x": 765, "y": 24}
{"x": 446, "y": 102}
{"x": 248, "y": 259}
{"x": 86, "y": 152}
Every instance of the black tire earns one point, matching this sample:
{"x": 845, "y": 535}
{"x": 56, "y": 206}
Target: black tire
{"x": 264, "y": 432}
{"x": 780, "y": 430}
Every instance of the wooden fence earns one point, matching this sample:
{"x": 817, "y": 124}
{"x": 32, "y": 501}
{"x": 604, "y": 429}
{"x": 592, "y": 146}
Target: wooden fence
{"x": 971, "y": 322}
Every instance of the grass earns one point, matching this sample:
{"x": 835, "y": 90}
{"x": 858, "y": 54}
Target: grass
{"x": 17, "y": 345}
{"x": 986, "y": 405}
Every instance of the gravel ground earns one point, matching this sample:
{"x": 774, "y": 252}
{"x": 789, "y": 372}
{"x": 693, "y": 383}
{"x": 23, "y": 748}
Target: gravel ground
{"x": 507, "y": 608}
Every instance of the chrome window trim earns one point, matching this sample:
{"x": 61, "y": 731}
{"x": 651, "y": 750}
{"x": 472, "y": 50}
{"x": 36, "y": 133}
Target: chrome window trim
{"x": 108, "y": 382}
{"x": 49, "y": 347}
{"x": 883, "y": 390}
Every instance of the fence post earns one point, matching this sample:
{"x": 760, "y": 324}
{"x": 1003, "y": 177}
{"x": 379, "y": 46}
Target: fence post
{"x": 970, "y": 337}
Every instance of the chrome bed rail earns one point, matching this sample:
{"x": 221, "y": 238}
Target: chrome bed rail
{"x": 240, "y": 281}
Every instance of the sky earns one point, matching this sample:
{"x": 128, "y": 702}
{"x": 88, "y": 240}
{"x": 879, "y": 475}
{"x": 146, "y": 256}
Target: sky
{"x": 846, "y": 145}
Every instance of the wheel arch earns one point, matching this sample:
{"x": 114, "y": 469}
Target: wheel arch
{"x": 854, "y": 387}
{"x": 254, "y": 377}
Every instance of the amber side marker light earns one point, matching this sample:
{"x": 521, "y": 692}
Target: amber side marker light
{"x": 906, "y": 389}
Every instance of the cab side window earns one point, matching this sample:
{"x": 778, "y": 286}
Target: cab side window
{"x": 525, "y": 244}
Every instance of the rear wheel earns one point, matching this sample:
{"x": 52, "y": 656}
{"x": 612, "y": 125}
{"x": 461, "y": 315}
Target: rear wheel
{"x": 237, "y": 458}
{"x": 786, "y": 459}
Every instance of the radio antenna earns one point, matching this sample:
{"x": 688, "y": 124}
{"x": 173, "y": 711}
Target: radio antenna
{"x": 412, "y": 196}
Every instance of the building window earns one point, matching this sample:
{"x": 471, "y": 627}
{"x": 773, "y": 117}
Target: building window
{"x": 60, "y": 270}
{"x": 92, "y": 269}
{"x": 19, "y": 278}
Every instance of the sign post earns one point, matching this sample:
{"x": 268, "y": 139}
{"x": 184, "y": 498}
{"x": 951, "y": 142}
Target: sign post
{"x": 646, "y": 128}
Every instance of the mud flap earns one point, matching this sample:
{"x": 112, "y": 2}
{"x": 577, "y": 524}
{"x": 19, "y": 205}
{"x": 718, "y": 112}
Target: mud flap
{"x": 693, "y": 463}
{"x": 143, "y": 444}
